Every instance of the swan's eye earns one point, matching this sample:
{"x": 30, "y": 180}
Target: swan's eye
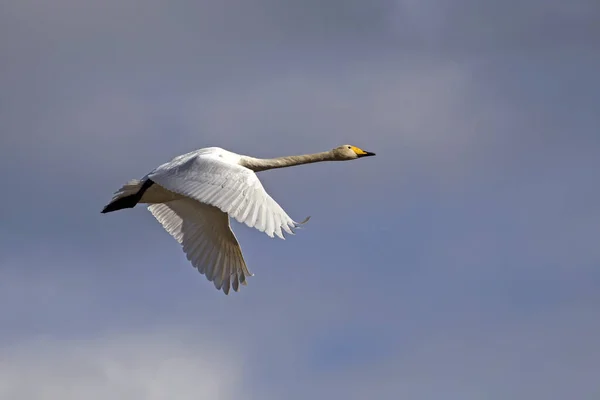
{"x": 349, "y": 147}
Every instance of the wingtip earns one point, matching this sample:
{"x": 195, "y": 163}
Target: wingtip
{"x": 298, "y": 225}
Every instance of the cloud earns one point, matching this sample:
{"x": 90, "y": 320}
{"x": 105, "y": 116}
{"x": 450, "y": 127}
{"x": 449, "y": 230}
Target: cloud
{"x": 328, "y": 343}
{"x": 432, "y": 111}
{"x": 468, "y": 28}
{"x": 544, "y": 356}
{"x": 142, "y": 365}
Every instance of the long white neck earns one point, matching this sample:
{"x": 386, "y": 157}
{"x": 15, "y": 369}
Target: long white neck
{"x": 263, "y": 164}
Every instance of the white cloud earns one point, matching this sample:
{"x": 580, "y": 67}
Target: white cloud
{"x": 144, "y": 366}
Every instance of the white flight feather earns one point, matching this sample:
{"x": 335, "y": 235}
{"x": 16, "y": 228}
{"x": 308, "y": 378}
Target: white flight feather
{"x": 207, "y": 240}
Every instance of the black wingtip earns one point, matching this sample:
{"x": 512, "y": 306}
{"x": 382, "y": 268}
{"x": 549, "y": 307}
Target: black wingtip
{"x": 127, "y": 201}
{"x": 120, "y": 204}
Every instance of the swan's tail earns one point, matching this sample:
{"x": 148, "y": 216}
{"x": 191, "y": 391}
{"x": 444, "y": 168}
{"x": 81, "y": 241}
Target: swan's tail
{"x": 128, "y": 195}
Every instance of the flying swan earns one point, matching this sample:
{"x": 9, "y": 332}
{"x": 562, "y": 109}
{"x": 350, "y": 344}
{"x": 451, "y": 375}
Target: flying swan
{"x": 193, "y": 195}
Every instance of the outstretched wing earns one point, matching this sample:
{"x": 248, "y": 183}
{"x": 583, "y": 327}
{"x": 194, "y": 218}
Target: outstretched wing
{"x": 207, "y": 240}
{"x": 232, "y": 188}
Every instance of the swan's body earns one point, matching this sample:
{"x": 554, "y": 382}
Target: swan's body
{"x": 193, "y": 196}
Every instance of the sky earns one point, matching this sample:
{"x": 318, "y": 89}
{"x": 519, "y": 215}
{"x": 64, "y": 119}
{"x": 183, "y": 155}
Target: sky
{"x": 462, "y": 262}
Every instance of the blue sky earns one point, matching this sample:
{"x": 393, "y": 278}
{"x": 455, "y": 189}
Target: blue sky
{"x": 460, "y": 263}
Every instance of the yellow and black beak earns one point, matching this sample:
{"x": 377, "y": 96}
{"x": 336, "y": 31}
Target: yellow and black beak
{"x": 361, "y": 153}
{"x": 366, "y": 154}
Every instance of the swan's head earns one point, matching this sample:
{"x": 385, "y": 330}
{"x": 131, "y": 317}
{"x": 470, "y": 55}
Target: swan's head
{"x": 349, "y": 152}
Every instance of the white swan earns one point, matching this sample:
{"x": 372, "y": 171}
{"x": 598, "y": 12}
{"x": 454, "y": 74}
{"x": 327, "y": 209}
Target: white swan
{"x": 194, "y": 195}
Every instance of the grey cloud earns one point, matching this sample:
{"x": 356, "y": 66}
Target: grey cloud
{"x": 477, "y": 28}
{"x": 544, "y": 356}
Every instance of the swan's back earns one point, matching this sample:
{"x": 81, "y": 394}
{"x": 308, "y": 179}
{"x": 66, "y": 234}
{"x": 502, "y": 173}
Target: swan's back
{"x": 206, "y": 154}
{"x": 222, "y": 154}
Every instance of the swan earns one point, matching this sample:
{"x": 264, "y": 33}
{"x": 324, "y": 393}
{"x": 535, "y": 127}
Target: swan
{"x": 194, "y": 195}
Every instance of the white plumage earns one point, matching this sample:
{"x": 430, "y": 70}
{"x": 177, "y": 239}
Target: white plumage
{"x": 214, "y": 176}
{"x": 193, "y": 196}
